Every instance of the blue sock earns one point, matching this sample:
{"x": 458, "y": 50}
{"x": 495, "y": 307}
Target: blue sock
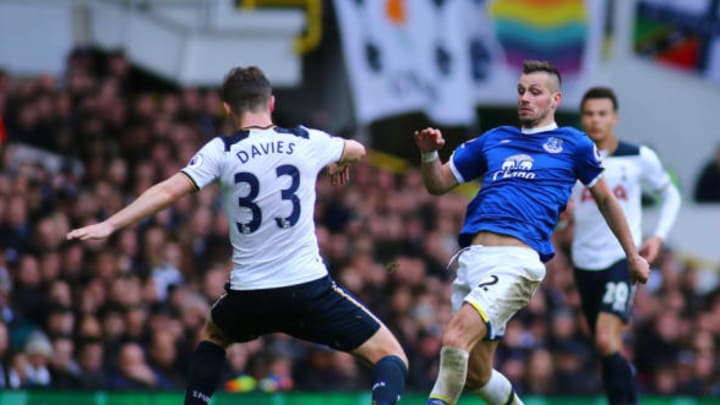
{"x": 388, "y": 380}
{"x": 618, "y": 380}
{"x": 206, "y": 365}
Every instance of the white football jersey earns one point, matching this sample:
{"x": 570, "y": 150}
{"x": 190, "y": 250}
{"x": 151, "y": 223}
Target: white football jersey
{"x": 267, "y": 184}
{"x": 627, "y": 172}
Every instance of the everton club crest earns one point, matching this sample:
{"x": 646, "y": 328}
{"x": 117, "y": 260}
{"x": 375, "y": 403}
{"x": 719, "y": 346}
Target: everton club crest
{"x": 553, "y": 145}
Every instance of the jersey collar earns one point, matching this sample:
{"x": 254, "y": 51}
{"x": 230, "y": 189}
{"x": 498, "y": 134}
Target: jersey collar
{"x": 530, "y": 131}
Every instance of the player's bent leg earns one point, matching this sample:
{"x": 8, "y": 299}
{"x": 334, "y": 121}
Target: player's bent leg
{"x": 206, "y": 365}
{"x": 465, "y": 330}
{"x": 391, "y": 366}
{"x": 491, "y": 385}
{"x": 480, "y": 365}
{"x": 498, "y": 391}
{"x": 381, "y": 344}
{"x": 617, "y": 373}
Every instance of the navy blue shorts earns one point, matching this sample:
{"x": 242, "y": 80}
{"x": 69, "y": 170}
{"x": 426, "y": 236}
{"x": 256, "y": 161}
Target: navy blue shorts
{"x": 318, "y": 311}
{"x": 609, "y": 290}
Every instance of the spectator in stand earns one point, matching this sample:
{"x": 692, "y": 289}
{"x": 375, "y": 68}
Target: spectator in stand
{"x": 64, "y": 371}
{"x": 8, "y": 377}
{"x": 163, "y": 358}
{"x": 133, "y": 371}
{"x": 39, "y": 352}
{"x": 540, "y": 374}
{"x": 92, "y": 365}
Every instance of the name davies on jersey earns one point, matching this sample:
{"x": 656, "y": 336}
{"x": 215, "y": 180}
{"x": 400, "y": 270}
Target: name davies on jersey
{"x": 277, "y": 147}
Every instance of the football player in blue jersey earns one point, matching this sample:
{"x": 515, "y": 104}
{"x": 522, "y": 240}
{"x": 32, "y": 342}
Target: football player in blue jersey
{"x": 528, "y": 173}
{"x": 278, "y": 283}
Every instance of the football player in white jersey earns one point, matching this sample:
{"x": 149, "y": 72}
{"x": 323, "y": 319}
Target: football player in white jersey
{"x": 278, "y": 283}
{"x": 601, "y": 269}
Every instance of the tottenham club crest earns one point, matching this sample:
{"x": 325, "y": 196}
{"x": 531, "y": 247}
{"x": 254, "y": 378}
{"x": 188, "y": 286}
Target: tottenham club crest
{"x": 553, "y": 145}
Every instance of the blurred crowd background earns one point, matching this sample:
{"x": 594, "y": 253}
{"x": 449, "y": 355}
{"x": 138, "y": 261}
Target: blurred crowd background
{"x": 125, "y": 313}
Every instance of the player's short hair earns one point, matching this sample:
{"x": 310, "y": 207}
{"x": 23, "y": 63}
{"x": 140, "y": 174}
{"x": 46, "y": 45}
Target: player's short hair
{"x": 600, "y": 92}
{"x": 246, "y": 89}
{"x": 532, "y": 66}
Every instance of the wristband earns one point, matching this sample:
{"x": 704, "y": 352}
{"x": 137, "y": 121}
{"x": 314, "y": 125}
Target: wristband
{"x": 429, "y": 156}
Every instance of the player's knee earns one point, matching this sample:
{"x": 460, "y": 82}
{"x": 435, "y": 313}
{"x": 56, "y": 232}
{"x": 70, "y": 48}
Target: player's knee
{"x": 400, "y": 354}
{"x": 395, "y": 349}
{"x": 605, "y": 342}
{"x": 455, "y": 337}
{"x": 214, "y": 335}
{"x": 465, "y": 329}
{"x": 380, "y": 345}
{"x": 398, "y": 357}
{"x": 392, "y": 349}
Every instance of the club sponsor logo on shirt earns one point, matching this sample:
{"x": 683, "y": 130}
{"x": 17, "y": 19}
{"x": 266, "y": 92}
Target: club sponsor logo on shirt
{"x": 553, "y": 145}
{"x": 516, "y": 166}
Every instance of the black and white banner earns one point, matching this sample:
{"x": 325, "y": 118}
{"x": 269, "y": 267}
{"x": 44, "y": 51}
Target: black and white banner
{"x": 444, "y": 57}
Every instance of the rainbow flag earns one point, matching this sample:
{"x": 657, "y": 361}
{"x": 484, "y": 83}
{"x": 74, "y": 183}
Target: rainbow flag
{"x": 552, "y": 30}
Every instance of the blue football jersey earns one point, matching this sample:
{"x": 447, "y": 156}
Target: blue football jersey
{"x": 527, "y": 180}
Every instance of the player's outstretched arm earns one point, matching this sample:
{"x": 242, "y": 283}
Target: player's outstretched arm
{"x": 613, "y": 214}
{"x": 438, "y": 177}
{"x": 151, "y": 201}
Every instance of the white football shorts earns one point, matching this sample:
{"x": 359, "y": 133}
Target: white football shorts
{"x": 497, "y": 281}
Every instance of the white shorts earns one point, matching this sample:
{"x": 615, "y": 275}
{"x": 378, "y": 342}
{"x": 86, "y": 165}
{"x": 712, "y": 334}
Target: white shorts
{"x": 497, "y": 281}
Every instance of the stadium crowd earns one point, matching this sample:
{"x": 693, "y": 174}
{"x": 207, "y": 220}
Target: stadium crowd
{"x": 125, "y": 313}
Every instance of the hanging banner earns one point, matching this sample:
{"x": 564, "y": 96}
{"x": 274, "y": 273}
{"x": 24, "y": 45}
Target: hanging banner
{"x": 682, "y": 34}
{"x": 445, "y": 57}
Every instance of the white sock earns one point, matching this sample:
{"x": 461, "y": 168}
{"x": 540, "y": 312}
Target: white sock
{"x": 498, "y": 391}
{"x": 451, "y": 377}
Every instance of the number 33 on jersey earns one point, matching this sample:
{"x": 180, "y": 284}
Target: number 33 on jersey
{"x": 267, "y": 183}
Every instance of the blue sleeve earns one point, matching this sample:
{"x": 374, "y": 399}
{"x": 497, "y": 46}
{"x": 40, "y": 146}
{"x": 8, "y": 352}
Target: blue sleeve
{"x": 588, "y": 164}
{"x": 468, "y": 161}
